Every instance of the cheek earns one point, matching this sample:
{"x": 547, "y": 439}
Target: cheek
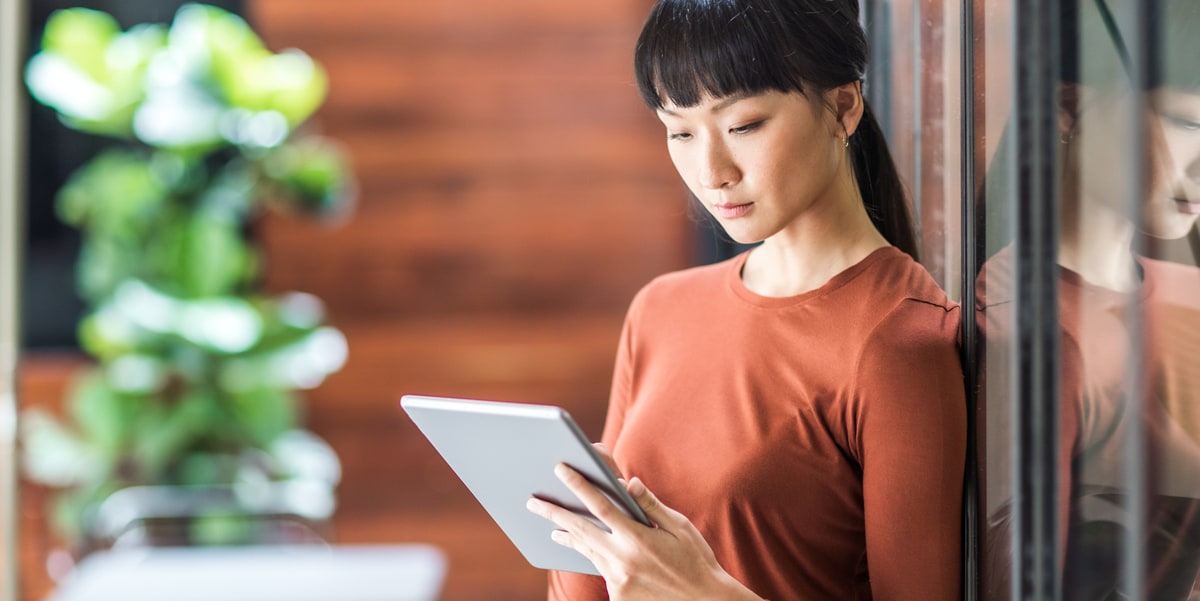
{"x": 1181, "y": 157}
{"x": 685, "y": 166}
{"x": 680, "y": 159}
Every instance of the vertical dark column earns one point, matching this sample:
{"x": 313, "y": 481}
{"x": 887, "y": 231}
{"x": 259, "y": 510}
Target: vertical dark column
{"x": 970, "y": 333}
{"x": 1036, "y": 383}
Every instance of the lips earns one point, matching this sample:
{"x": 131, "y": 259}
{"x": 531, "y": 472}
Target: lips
{"x": 1191, "y": 207}
{"x": 732, "y": 210}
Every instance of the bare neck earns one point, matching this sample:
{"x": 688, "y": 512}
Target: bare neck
{"x": 826, "y": 240}
{"x": 1096, "y": 243}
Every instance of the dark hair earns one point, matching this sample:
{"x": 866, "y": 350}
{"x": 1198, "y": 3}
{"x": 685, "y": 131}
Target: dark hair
{"x": 692, "y": 48}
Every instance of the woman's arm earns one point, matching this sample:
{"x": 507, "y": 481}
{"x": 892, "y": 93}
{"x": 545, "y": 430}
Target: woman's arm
{"x": 911, "y": 442}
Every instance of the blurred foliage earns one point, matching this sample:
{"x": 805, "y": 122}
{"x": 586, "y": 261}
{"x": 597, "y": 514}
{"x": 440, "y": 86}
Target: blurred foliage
{"x": 196, "y": 371}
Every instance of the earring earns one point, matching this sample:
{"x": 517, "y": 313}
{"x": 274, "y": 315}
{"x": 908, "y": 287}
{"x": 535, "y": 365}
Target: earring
{"x": 845, "y": 141}
{"x": 1066, "y": 138}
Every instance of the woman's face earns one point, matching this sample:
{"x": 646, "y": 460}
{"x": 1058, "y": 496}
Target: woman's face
{"x": 1171, "y": 155}
{"x": 757, "y": 163}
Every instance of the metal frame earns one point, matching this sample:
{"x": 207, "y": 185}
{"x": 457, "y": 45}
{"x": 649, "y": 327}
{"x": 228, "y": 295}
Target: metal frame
{"x": 1036, "y": 545}
{"x": 969, "y": 327}
{"x": 12, "y": 19}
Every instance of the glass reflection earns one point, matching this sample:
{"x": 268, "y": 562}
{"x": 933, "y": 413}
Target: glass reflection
{"x": 1129, "y": 429}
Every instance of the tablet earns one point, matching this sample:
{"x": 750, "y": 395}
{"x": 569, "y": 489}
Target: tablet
{"x": 506, "y": 453}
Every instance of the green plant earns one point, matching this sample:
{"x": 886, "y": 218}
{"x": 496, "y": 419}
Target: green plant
{"x": 196, "y": 370}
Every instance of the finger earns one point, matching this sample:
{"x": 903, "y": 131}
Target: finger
{"x": 593, "y": 499}
{"x": 659, "y": 514}
{"x": 575, "y": 532}
{"x": 564, "y": 518}
{"x": 607, "y": 456}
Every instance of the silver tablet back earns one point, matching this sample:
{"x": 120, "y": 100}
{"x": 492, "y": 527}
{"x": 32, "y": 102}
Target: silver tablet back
{"x": 505, "y": 453}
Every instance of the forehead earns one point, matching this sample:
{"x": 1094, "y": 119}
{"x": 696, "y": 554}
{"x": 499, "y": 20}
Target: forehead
{"x": 1179, "y": 97}
{"x": 709, "y": 104}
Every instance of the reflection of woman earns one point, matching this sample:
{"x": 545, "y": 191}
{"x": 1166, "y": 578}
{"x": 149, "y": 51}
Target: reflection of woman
{"x": 801, "y": 404}
{"x": 1099, "y": 279}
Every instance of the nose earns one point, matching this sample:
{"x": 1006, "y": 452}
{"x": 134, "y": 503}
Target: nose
{"x": 717, "y": 167}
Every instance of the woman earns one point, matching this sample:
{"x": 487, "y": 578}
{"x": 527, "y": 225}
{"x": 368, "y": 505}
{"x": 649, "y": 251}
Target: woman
{"x": 800, "y": 407}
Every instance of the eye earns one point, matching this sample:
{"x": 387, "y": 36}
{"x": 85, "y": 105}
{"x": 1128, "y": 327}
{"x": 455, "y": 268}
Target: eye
{"x": 680, "y": 136}
{"x": 745, "y": 129}
{"x": 1181, "y": 122}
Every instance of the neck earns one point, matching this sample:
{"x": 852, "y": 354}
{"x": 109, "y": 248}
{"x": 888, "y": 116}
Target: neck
{"x": 829, "y": 238}
{"x": 1097, "y": 243}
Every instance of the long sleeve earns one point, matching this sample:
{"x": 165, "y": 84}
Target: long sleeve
{"x": 912, "y": 446}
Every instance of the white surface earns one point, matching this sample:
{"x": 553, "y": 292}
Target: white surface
{"x": 258, "y": 573}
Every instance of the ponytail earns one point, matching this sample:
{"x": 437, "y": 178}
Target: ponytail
{"x": 883, "y": 194}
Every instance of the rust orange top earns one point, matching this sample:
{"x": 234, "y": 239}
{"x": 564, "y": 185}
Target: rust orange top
{"x": 817, "y": 441}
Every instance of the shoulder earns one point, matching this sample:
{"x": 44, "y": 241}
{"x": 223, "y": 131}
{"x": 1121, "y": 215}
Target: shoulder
{"x": 914, "y": 317}
{"x": 1172, "y": 283}
{"x": 906, "y": 296}
{"x": 914, "y": 327}
{"x": 899, "y": 276}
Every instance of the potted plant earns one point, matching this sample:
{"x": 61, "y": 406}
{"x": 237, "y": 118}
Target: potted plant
{"x": 190, "y": 410}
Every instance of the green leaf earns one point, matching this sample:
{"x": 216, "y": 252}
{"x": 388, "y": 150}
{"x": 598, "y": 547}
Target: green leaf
{"x": 102, "y": 266}
{"x": 264, "y": 413}
{"x": 103, "y": 416}
{"x": 90, "y": 72}
{"x": 208, "y": 256}
{"x": 225, "y": 36}
{"x": 312, "y": 173}
{"x": 118, "y": 200}
{"x": 117, "y": 194}
{"x": 81, "y": 36}
{"x": 289, "y": 83}
{"x": 166, "y": 431}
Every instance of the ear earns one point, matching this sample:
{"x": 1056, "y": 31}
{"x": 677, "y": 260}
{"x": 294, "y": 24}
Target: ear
{"x": 1069, "y": 97}
{"x": 848, "y": 107}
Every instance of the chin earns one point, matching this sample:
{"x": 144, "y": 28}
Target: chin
{"x": 1169, "y": 227}
{"x": 743, "y": 236}
{"x": 748, "y": 239}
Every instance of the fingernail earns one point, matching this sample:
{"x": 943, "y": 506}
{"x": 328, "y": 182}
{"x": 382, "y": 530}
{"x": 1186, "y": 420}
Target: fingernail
{"x": 560, "y": 470}
{"x": 635, "y": 486}
{"x": 532, "y": 505}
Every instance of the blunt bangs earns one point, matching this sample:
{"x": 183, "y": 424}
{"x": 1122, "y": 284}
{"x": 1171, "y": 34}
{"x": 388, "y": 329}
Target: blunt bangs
{"x": 690, "y": 49}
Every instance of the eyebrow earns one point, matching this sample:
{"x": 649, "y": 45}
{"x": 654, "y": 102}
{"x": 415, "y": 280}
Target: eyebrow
{"x": 718, "y": 107}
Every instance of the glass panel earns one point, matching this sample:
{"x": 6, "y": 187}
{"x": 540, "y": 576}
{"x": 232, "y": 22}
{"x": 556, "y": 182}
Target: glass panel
{"x": 1127, "y": 117}
{"x": 992, "y": 78}
{"x": 1016, "y": 301}
{"x": 1130, "y": 191}
{"x": 915, "y": 87}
